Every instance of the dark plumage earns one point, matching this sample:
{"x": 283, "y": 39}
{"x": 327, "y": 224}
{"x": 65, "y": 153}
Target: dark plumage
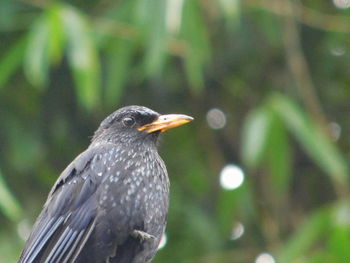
{"x": 110, "y": 204}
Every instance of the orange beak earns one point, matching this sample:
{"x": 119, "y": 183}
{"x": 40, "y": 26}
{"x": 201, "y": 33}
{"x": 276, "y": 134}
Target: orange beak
{"x": 166, "y": 122}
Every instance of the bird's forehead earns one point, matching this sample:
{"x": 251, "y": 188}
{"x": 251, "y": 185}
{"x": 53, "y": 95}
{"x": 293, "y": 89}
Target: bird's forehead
{"x": 135, "y": 109}
{"x": 129, "y": 110}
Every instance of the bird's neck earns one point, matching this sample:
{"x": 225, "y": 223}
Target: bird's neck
{"x": 142, "y": 144}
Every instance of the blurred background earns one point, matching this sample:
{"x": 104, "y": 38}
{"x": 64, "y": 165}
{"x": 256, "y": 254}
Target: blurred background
{"x": 262, "y": 173}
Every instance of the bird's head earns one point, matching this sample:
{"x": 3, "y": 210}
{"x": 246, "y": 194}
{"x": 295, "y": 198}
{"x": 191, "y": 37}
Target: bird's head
{"x": 134, "y": 123}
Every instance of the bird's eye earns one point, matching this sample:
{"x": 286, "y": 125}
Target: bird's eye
{"x": 128, "y": 121}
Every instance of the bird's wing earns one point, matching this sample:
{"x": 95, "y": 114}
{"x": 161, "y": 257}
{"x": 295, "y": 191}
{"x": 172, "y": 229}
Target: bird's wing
{"x": 69, "y": 214}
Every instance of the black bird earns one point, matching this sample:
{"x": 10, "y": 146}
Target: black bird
{"x": 110, "y": 204}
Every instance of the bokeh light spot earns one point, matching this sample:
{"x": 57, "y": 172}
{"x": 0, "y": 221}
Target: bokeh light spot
{"x": 334, "y": 130}
{"x": 163, "y": 241}
{"x": 231, "y": 177}
{"x": 337, "y": 51}
{"x": 265, "y": 258}
{"x": 342, "y": 4}
{"x": 216, "y": 119}
{"x": 23, "y": 229}
{"x": 237, "y": 231}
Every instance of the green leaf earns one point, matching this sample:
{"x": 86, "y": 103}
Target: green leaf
{"x": 12, "y": 60}
{"x": 37, "y": 56}
{"x": 269, "y": 26}
{"x": 320, "y": 256}
{"x": 56, "y": 39}
{"x": 8, "y": 203}
{"x": 142, "y": 11}
{"x": 197, "y": 48}
{"x": 264, "y": 138}
{"x": 231, "y": 10}
{"x": 318, "y": 146}
{"x": 279, "y": 158}
{"x": 339, "y": 242}
{"x": 305, "y": 236}
{"x": 156, "y": 42}
{"x": 45, "y": 46}
{"x": 255, "y": 134}
{"x": 118, "y": 61}
{"x": 82, "y": 56}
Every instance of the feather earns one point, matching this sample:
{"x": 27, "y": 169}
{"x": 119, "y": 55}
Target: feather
{"x": 41, "y": 240}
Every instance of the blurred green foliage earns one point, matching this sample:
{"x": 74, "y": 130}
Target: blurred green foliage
{"x": 277, "y": 69}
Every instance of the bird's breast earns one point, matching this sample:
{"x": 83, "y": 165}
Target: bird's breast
{"x": 135, "y": 188}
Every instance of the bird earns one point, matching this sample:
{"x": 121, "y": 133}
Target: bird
{"x": 111, "y": 202}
